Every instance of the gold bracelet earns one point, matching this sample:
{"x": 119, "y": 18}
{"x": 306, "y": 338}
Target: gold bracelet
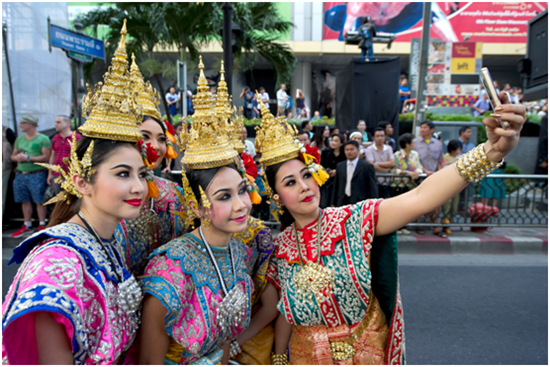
{"x": 475, "y": 165}
{"x": 279, "y": 359}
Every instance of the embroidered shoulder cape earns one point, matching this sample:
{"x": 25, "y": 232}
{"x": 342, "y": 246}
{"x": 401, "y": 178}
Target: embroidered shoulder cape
{"x": 361, "y": 263}
{"x": 181, "y": 275}
{"x": 65, "y": 272}
{"x": 259, "y": 239}
{"x": 157, "y": 224}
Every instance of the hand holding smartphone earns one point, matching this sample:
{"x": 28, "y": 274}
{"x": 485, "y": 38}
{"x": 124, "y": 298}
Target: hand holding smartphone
{"x": 494, "y": 100}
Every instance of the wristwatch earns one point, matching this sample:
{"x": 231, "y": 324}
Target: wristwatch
{"x": 28, "y": 159}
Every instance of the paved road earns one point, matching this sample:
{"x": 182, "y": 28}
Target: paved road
{"x": 475, "y": 309}
{"x": 464, "y": 309}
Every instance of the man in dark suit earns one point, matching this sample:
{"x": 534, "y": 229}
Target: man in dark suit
{"x": 361, "y": 184}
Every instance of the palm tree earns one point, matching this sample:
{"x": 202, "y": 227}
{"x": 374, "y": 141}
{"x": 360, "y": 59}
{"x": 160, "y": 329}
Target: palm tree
{"x": 189, "y": 25}
{"x": 261, "y": 26}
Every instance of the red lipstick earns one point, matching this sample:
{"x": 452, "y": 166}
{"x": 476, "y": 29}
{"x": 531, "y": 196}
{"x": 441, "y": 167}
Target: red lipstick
{"x": 240, "y": 219}
{"x": 133, "y": 202}
{"x": 307, "y": 199}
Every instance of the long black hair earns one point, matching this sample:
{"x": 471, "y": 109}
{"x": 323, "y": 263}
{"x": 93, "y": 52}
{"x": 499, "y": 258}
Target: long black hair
{"x": 103, "y": 149}
{"x": 318, "y": 137}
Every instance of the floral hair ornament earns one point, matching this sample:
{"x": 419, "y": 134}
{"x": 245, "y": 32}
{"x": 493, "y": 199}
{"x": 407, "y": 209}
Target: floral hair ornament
{"x": 310, "y": 156}
{"x": 81, "y": 168}
{"x": 170, "y": 132}
{"x": 149, "y": 156}
{"x": 249, "y": 172}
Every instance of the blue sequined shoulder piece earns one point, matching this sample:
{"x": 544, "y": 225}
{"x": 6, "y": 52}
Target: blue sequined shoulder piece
{"x": 77, "y": 237}
{"x": 195, "y": 260}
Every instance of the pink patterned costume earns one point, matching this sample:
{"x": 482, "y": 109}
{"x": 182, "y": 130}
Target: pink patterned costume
{"x": 67, "y": 273}
{"x": 181, "y": 275}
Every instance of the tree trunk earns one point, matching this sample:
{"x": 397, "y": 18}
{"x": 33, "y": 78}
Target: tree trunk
{"x": 162, "y": 96}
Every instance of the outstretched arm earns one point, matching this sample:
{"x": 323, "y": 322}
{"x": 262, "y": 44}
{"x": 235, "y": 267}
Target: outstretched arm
{"x": 440, "y": 187}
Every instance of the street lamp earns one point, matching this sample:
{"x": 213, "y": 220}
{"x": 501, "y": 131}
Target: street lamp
{"x": 230, "y": 34}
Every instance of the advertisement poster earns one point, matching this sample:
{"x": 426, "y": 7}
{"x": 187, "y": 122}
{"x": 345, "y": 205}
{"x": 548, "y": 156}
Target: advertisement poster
{"x": 453, "y": 73}
{"x": 490, "y": 22}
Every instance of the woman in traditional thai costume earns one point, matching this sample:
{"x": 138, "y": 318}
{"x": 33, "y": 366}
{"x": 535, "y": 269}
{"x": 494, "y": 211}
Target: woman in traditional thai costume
{"x": 73, "y": 300}
{"x": 254, "y": 345}
{"x": 338, "y": 282}
{"x": 197, "y": 290}
{"x": 158, "y": 222}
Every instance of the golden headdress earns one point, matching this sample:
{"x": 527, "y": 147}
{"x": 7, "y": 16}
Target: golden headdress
{"x": 207, "y": 141}
{"x": 82, "y": 168}
{"x": 275, "y": 139}
{"x": 112, "y": 110}
{"x": 113, "y": 115}
{"x": 147, "y": 96}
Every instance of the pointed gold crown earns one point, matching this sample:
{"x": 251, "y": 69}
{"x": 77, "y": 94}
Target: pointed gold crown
{"x": 111, "y": 107}
{"x": 275, "y": 139}
{"x": 207, "y": 141}
{"x": 223, "y": 108}
{"x": 147, "y": 96}
{"x": 236, "y": 131}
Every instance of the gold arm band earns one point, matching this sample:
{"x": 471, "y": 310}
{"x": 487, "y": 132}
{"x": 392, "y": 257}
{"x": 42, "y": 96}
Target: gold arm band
{"x": 279, "y": 359}
{"x": 475, "y": 165}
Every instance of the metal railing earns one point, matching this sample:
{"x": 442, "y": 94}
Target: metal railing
{"x": 499, "y": 200}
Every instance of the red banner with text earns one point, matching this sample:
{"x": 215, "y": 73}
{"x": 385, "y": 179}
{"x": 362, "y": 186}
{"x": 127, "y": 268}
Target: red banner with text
{"x": 489, "y": 22}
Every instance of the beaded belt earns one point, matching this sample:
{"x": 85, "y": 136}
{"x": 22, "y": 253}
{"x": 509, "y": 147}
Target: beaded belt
{"x": 343, "y": 350}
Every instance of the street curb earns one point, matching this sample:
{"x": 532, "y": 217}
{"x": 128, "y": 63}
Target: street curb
{"x": 505, "y": 245}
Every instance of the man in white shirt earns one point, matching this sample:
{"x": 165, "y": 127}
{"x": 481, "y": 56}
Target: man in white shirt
{"x": 381, "y": 156}
{"x": 355, "y": 179}
{"x": 282, "y": 99}
{"x": 249, "y": 146}
{"x": 264, "y": 97}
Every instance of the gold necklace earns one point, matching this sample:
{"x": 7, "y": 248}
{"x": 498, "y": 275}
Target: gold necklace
{"x": 312, "y": 281}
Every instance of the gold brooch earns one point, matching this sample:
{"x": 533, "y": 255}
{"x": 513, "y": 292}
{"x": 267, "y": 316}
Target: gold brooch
{"x": 312, "y": 281}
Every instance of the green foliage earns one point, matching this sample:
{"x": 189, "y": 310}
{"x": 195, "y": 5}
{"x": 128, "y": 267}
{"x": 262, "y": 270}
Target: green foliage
{"x": 511, "y": 169}
{"x": 534, "y": 118}
{"x": 151, "y": 66}
{"x": 190, "y": 25}
{"x": 325, "y": 120}
{"x": 481, "y": 134}
{"x": 261, "y": 28}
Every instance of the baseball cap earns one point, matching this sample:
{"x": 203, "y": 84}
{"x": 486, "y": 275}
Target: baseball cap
{"x": 30, "y": 119}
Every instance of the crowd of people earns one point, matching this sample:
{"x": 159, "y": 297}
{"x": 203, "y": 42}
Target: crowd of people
{"x": 363, "y": 166}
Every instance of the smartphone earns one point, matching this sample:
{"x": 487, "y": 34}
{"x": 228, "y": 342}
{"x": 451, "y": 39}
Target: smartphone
{"x": 489, "y": 86}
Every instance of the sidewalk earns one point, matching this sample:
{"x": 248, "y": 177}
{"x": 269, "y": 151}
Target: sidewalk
{"x": 496, "y": 241}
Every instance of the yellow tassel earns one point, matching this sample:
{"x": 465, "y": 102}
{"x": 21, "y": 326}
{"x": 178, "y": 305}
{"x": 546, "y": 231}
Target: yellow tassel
{"x": 255, "y": 198}
{"x": 153, "y": 189}
{"x": 171, "y": 137}
{"x": 320, "y": 176}
{"x": 171, "y": 153}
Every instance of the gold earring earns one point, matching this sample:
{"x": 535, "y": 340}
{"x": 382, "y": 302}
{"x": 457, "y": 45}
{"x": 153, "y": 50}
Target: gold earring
{"x": 205, "y": 222}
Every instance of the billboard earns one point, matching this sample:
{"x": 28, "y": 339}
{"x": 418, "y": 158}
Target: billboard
{"x": 490, "y": 22}
{"x": 453, "y": 73}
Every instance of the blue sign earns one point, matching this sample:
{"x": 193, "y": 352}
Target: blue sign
{"x": 72, "y": 41}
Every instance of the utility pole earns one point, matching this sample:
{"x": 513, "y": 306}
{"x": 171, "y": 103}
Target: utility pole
{"x": 80, "y": 78}
{"x": 420, "y": 110}
{"x": 227, "y": 49}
